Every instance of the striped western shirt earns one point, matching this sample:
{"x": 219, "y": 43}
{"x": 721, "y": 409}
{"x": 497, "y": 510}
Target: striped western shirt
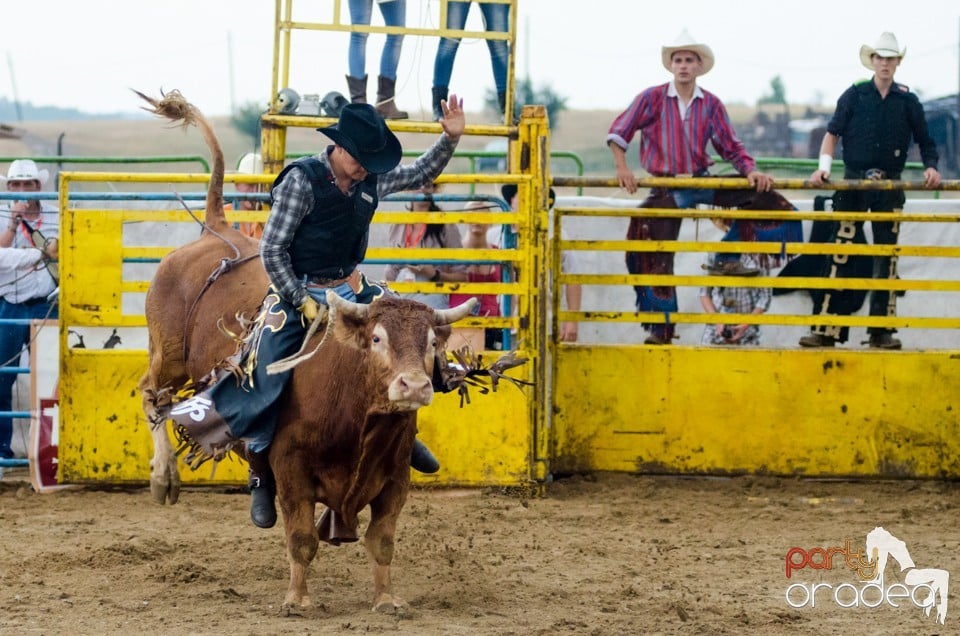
{"x": 672, "y": 143}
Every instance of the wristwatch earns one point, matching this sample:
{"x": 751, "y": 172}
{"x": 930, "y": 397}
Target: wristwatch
{"x": 436, "y": 276}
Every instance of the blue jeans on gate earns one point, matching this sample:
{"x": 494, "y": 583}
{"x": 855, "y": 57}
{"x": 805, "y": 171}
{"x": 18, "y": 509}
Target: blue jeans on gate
{"x": 12, "y": 340}
{"x": 692, "y": 197}
{"x": 495, "y": 17}
{"x": 394, "y": 13}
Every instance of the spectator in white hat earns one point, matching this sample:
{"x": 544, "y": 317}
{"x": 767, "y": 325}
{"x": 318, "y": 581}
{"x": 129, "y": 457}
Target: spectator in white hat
{"x": 26, "y": 280}
{"x": 250, "y": 163}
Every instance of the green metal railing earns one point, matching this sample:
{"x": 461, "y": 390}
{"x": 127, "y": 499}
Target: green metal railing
{"x": 117, "y": 160}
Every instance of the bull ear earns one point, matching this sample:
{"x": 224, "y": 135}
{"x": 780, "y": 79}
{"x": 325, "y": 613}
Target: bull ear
{"x": 452, "y": 315}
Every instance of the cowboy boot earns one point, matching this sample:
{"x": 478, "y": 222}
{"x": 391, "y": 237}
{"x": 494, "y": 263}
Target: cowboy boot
{"x": 263, "y": 490}
{"x": 422, "y": 460}
{"x": 386, "y": 106}
{"x": 439, "y": 94}
{"x": 358, "y": 89}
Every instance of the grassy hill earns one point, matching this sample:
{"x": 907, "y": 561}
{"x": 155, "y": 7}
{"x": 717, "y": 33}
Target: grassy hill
{"x": 580, "y": 131}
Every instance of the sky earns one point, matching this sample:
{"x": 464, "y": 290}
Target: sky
{"x": 219, "y": 53}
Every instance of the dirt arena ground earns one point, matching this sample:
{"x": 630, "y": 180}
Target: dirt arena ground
{"x": 597, "y": 555}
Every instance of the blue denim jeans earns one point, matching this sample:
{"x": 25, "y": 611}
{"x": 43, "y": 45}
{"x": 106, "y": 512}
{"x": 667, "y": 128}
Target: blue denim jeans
{"x": 394, "y": 14}
{"x": 495, "y": 17}
{"x": 248, "y": 409}
{"x": 692, "y": 197}
{"x": 12, "y": 340}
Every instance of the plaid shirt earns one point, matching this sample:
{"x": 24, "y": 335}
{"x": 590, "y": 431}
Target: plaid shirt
{"x": 293, "y": 201}
{"x": 736, "y": 300}
{"x": 672, "y": 144}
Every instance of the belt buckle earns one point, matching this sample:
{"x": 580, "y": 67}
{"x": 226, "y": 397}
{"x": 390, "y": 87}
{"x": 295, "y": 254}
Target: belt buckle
{"x": 874, "y": 174}
{"x": 322, "y": 283}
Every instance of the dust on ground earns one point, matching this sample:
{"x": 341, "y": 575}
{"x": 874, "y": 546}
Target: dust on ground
{"x": 598, "y": 554}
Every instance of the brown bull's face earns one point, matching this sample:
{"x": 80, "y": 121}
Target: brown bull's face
{"x": 401, "y": 339}
{"x": 407, "y": 358}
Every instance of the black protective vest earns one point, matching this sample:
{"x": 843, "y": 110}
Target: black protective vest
{"x": 332, "y": 239}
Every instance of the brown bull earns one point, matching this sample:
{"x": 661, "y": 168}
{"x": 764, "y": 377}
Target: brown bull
{"x": 347, "y": 420}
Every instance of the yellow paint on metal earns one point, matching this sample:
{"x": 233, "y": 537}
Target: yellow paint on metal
{"x": 745, "y": 410}
{"x": 104, "y": 436}
{"x": 90, "y": 268}
{"x": 487, "y": 442}
{"x": 741, "y": 182}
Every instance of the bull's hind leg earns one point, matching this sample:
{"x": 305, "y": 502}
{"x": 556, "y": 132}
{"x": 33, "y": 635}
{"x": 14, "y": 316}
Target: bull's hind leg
{"x": 302, "y": 542}
{"x": 384, "y": 511}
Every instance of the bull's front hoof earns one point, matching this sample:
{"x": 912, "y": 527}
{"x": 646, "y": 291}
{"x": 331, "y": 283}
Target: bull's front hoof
{"x": 389, "y": 604}
{"x": 290, "y": 610}
{"x": 294, "y": 604}
{"x": 165, "y": 484}
{"x": 165, "y": 490}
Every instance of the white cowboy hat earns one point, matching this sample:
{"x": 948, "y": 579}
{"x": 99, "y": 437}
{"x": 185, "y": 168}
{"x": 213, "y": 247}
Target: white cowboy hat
{"x": 250, "y": 163}
{"x": 25, "y": 170}
{"x": 886, "y": 46}
{"x": 685, "y": 42}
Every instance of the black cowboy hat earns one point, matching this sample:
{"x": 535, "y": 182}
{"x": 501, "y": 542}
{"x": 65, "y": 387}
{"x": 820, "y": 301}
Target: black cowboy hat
{"x": 509, "y": 190}
{"x": 364, "y": 134}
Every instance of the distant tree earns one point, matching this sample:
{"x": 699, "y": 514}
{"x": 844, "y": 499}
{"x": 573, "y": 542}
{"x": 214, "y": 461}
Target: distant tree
{"x": 247, "y": 121}
{"x": 526, "y": 93}
{"x": 778, "y": 93}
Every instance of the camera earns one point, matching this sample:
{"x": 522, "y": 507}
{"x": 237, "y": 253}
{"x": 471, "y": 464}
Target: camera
{"x": 727, "y": 333}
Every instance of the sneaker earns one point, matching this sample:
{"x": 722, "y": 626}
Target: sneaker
{"x": 817, "y": 340}
{"x": 655, "y": 340}
{"x": 731, "y": 268}
{"x": 883, "y": 341}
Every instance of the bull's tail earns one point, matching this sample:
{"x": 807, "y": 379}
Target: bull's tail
{"x": 176, "y": 108}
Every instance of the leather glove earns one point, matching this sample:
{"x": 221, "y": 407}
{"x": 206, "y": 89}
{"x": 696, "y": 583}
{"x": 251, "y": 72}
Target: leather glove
{"x": 310, "y": 309}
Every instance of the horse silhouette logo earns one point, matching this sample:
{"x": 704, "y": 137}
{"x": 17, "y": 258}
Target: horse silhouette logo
{"x": 881, "y": 546}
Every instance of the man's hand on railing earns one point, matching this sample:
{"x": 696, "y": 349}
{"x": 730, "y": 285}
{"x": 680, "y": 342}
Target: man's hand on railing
{"x": 626, "y": 179}
{"x": 760, "y": 180}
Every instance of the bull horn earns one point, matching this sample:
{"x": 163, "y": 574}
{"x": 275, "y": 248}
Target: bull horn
{"x": 452, "y": 315}
{"x": 356, "y": 310}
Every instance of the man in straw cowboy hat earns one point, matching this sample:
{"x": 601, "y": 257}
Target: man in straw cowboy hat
{"x": 315, "y": 236}
{"x": 29, "y": 241}
{"x": 877, "y": 118}
{"x": 676, "y": 120}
